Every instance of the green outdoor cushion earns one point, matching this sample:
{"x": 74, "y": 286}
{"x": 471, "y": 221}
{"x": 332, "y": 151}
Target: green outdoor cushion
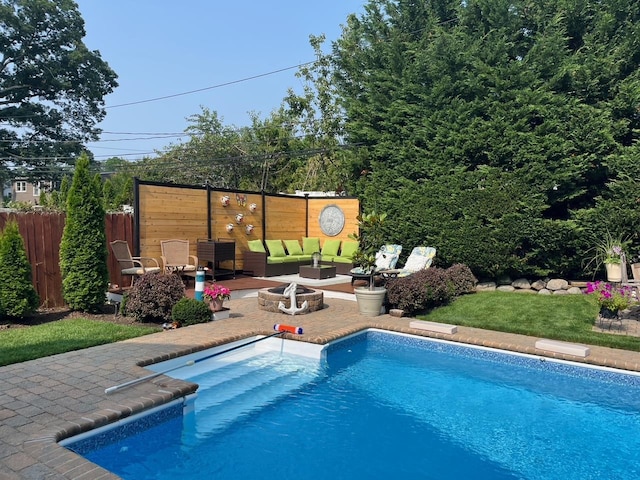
{"x": 256, "y": 246}
{"x": 301, "y": 258}
{"x": 341, "y": 259}
{"x": 330, "y": 248}
{"x": 276, "y": 249}
{"x": 293, "y": 247}
{"x": 310, "y": 245}
{"x": 348, "y": 249}
{"x": 274, "y": 260}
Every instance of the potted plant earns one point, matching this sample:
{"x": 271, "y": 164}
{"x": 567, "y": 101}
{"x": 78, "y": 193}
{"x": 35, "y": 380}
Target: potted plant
{"x": 610, "y": 251}
{"x": 370, "y": 238}
{"x": 611, "y": 299}
{"x": 216, "y": 294}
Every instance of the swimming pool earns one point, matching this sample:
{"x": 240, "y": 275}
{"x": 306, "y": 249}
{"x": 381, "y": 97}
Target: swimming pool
{"x": 381, "y": 405}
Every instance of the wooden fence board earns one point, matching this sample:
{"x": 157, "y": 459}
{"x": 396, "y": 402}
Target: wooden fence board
{"x": 42, "y": 233}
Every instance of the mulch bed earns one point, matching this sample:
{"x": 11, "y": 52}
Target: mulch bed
{"x": 46, "y": 315}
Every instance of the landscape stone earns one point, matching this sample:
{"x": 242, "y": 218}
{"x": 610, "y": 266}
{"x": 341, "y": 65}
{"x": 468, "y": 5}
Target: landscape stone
{"x": 560, "y": 292}
{"x": 521, "y": 283}
{"x": 557, "y": 284}
{"x": 485, "y": 287}
{"x": 544, "y": 291}
{"x": 538, "y": 285}
{"x": 506, "y": 288}
{"x": 574, "y": 291}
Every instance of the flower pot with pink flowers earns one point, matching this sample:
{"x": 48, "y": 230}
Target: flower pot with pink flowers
{"x": 216, "y": 294}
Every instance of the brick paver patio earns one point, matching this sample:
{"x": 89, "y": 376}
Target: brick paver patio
{"x": 45, "y": 400}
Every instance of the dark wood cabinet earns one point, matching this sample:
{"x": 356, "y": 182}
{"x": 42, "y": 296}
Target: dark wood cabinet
{"x": 215, "y": 252}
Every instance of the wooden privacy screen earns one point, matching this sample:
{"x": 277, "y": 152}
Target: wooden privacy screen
{"x": 173, "y": 211}
{"x": 165, "y": 211}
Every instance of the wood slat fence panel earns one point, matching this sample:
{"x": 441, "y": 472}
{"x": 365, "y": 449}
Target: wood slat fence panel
{"x": 42, "y": 233}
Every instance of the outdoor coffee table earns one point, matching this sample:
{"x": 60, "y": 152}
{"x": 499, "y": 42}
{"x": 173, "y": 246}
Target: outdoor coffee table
{"x": 318, "y": 273}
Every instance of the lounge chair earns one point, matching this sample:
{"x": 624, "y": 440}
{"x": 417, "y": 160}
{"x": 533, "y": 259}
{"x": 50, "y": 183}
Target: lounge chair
{"x": 132, "y": 266}
{"x": 419, "y": 259}
{"x": 176, "y": 257}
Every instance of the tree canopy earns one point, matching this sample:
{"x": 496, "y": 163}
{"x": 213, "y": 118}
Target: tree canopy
{"x": 51, "y": 87}
{"x": 534, "y": 102}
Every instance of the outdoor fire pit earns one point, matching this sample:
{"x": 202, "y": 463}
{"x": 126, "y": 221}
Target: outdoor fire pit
{"x": 269, "y": 298}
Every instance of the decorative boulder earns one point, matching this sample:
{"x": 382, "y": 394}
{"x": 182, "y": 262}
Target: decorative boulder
{"x": 538, "y": 285}
{"x": 521, "y": 283}
{"x": 485, "y": 287}
{"x": 557, "y": 284}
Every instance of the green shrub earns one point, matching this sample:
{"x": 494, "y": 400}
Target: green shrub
{"x": 83, "y": 248}
{"x": 18, "y": 297}
{"x": 420, "y": 291}
{"x": 189, "y": 311}
{"x": 153, "y": 296}
{"x": 462, "y": 279}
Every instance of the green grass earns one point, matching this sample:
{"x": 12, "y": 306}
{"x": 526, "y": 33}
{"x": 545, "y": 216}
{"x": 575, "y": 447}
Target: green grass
{"x": 560, "y": 317}
{"x": 21, "y": 344}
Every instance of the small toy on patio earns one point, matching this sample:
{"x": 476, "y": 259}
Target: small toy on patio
{"x": 278, "y": 327}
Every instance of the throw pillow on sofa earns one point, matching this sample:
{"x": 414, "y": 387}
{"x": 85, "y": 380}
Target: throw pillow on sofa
{"x": 330, "y": 249}
{"x": 293, "y": 247}
{"x": 256, "y": 246}
{"x": 310, "y": 245}
{"x": 276, "y": 249}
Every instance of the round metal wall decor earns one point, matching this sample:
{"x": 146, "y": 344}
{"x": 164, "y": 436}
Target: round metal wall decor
{"x": 331, "y": 220}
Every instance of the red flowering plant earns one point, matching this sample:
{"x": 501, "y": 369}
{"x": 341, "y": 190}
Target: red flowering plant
{"x": 216, "y": 291}
{"x": 611, "y": 297}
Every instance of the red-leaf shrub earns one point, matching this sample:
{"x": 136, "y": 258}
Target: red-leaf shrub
{"x": 153, "y": 296}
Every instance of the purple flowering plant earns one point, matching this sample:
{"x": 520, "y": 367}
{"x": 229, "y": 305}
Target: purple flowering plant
{"x": 611, "y": 297}
{"x": 216, "y": 291}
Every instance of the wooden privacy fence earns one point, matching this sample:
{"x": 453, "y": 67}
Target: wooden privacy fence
{"x": 42, "y": 233}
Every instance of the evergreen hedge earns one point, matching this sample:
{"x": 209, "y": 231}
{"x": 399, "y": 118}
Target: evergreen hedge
{"x": 18, "y": 297}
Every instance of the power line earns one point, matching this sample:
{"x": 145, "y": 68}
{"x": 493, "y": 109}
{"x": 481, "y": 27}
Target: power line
{"x": 226, "y": 84}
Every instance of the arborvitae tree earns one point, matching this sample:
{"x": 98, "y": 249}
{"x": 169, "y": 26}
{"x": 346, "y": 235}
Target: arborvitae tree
{"x": 83, "y": 249}
{"x": 18, "y": 297}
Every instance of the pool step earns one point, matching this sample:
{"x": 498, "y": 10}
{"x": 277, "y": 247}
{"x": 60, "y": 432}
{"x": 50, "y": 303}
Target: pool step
{"x": 236, "y": 390}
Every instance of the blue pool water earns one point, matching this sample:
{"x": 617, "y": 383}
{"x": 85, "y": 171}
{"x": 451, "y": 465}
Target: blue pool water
{"x": 388, "y": 406}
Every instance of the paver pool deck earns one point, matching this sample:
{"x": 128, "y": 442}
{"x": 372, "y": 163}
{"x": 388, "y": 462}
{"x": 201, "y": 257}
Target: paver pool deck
{"x": 45, "y": 400}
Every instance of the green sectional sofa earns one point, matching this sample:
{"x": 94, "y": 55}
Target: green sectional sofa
{"x": 284, "y": 257}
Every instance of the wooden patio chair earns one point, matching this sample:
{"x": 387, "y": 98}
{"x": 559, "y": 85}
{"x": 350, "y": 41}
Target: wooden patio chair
{"x": 176, "y": 257}
{"x": 132, "y": 266}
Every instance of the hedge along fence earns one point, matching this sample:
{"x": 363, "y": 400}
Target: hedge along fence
{"x": 42, "y": 233}
{"x": 167, "y": 211}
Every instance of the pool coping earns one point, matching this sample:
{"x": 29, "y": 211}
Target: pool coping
{"x": 57, "y": 397}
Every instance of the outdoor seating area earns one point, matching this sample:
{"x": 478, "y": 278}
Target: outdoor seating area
{"x": 129, "y": 265}
{"x": 285, "y": 257}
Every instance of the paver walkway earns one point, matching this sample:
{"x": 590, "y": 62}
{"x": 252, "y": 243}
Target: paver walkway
{"x": 45, "y": 400}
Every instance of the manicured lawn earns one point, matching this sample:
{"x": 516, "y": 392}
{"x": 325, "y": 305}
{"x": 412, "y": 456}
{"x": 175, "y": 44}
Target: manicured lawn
{"x": 21, "y": 344}
{"x": 559, "y": 317}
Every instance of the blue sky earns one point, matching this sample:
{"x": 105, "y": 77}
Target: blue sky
{"x": 160, "y": 48}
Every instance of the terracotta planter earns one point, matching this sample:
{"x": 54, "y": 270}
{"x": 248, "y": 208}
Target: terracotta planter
{"x": 215, "y": 305}
{"x": 614, "y": 272}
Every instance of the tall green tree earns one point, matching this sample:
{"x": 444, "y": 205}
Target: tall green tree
{"x": 18, "y": 296}
{"x": 537, "y": 99}
{"x": 83, "y": 248}
{"x": 51, "y": 86}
